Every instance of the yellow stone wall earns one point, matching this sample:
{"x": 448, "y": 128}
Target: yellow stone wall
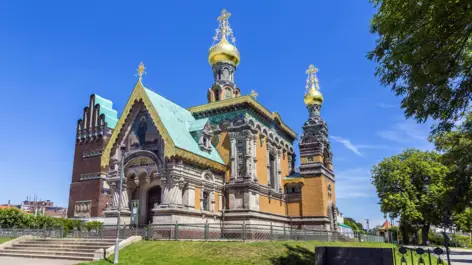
{"x": 197, "y": 198}
{"x": 314, "y": 193}
{"x": 283, "y": 165}
{"x": 261, "y": 155}
{"x": 294, "y": 208}
{"x": 217, "y": 201}
{"x": 275, "y": 206}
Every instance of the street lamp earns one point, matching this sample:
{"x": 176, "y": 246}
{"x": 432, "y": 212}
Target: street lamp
{"x": 117, "y": 241}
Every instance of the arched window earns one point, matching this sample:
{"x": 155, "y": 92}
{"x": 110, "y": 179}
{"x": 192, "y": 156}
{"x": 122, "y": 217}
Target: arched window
{"x": 206, "y": 201}
{"x": 217, "y": 95}
{"x": 227, "y": 93}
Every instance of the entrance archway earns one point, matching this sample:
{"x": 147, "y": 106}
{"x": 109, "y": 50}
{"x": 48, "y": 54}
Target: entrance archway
{"x": 153, "y": 199}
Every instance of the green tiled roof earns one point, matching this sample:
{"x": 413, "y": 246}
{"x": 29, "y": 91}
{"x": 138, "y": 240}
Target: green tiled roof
{"x": 294, "y": 175}
{"x": 345, "y": 226}
{"x": 197, "y": 125}
{"x": 106, "y": 108}
{"x": 178, "y": 123}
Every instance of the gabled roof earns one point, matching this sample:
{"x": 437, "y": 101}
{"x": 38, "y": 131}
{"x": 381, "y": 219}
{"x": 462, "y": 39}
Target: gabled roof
{"x": 106, "y": 108}
{"x": 197, "y": 125}
{"x": 177, "y": 121}
{"x": 386, "y": 225}
{"x": 173, "y": 123}
{"x": 254, "y": 104}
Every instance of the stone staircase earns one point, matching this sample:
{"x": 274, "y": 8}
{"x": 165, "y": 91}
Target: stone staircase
{"x": 69, "y": 249}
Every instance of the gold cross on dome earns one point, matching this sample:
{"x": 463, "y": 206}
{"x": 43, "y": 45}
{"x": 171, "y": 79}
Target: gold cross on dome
{"x": 311, "y": 80}
{"x": 311, "y": 69}
{"x": 254, "y": 94}
{"x": 224, "y": 15}
{"x": 141, "y": 71}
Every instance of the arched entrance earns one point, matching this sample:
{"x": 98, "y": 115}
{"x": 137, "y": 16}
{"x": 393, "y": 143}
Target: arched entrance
{"x": 153, "y": 199}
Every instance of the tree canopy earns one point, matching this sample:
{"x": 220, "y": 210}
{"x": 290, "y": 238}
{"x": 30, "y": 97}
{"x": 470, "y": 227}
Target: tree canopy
{"x": 456, "y": 149}
{"x": 424, "y": 53}
{"x": 411, "y": 185}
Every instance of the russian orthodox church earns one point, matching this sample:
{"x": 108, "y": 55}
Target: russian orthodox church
{"x": 229, "y": 160}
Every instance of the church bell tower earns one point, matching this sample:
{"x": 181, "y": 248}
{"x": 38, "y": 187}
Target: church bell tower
{"x": 223, "y": 57}
{"x": 316, "y": 164}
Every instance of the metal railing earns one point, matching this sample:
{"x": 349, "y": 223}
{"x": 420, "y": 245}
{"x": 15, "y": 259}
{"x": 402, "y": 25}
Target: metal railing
{"x": 199, "y": 231}
{"x": 38, "y": 232}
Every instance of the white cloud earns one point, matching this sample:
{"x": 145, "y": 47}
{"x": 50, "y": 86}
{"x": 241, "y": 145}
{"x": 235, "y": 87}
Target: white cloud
{"x": 354, "y": 183}
{"x": 356, "y": 148}
{"x": 347, "y": 144}
{"x": 409, "y": 133}
{"x": 387, "y": 106}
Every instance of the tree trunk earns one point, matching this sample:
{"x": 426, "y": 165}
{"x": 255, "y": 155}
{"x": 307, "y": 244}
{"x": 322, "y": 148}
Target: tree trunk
{"x": 424, "y": 234}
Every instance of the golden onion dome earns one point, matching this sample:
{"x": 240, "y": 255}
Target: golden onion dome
{"x": 313, "y": 97}
{"x": 223, "y": 51}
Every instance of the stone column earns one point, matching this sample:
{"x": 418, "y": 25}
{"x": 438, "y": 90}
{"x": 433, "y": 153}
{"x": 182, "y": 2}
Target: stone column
{"x": 278, "y": 177}
{"x": 233, "y": 156}
{"x": 289, "y": 160}
{"x": 212, "y": 200}
{"x": 188, "y": 198}
{"x": 269, "y": 147}
{"x": 248, "y": 158}
{"x": 254, "y": 157}
{"x": 172, "y": 192}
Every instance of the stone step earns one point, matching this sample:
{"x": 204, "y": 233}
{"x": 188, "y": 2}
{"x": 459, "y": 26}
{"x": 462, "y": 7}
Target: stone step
{"x": 37, "y": 256}
{"x": 106, "y": 241}
{"x": 95, "y": 243}
{"x": 36, "y": 248}
{"x": 49, "y": 252}
{"x": 28, "y": 244}
{"x": 76, "y": 239}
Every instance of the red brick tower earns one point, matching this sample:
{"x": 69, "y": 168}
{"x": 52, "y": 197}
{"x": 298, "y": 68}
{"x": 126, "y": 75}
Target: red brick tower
{"x": 88, "y": 190}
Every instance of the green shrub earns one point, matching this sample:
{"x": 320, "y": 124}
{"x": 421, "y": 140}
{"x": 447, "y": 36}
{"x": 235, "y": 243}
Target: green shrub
{"x": 435, "y": 239}
{"x": 12, "y": 217}
{"x": 93, "y": 225}
{"x": 460, "y": 241}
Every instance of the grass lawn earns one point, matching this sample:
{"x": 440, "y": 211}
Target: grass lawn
{"x": 5, "y": 239}
{"x": 216, "y": 253}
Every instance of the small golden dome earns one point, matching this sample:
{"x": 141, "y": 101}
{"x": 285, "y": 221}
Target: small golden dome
{"x": 313, "y": 97}
{"x": 223, "y": 51}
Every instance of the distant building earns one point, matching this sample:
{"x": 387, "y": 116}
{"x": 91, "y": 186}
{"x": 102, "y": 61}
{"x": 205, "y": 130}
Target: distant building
{"x": 8, "y": 205}
{"x": 43, "y": 207}
{"x": 55, "y": 212}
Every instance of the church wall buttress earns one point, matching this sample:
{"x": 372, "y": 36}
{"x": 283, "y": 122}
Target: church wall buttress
{"x": 314, "y": 197}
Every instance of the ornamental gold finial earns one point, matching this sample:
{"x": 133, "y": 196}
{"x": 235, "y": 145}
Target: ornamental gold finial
{"x": 312, "y": 79}
{"x": 223, "y": 48}
{"x": 141, "y": 71}
{"x": 254, "y": 94}
{"x": 224, "y": 31}
{"x": 312, "y": 88}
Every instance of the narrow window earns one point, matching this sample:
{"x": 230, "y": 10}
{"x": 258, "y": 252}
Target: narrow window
{"x": 272, "y": 170}
{"x": 206, "y": 201}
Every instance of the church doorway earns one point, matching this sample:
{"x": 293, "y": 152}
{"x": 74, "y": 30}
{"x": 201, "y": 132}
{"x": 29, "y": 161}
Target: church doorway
{"x": 154, "y": 199}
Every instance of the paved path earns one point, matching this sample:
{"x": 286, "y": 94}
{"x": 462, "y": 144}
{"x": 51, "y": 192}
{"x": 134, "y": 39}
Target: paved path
{"x": 460, "y": 256}
{"x": 25, "y": 261}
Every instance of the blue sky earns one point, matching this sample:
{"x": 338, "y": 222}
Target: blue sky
{"x": 54, "y": 54}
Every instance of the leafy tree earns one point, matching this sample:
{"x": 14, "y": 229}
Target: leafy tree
{"x": 11, "y": 217}
{"x": 424, "y": 53}
{"x": 411, "y": 185}
{"x": 463, "y": 220}
{"x": 456, "y": 148}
